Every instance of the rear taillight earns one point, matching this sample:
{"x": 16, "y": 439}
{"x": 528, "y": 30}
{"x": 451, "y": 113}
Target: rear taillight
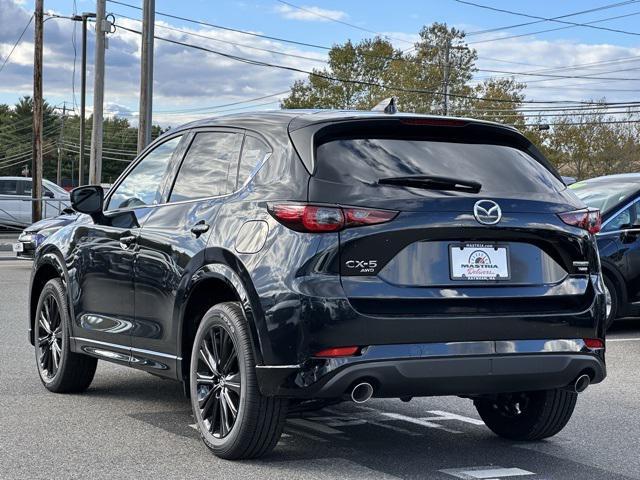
{"x": 588, "y": 219}
{"x": 319, "y": 218}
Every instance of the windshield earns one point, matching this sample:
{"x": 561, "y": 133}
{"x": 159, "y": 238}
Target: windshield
{"x": 604, "y": 195}
{"x": 497, "y": 168}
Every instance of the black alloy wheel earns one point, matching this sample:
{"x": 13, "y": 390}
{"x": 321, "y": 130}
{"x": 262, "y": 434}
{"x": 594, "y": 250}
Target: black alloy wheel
{"x": 218, "y": 381}
{"x": 49, "y": 337}
{"x": 61, "y": 370}
{"x": 234, "y": 419}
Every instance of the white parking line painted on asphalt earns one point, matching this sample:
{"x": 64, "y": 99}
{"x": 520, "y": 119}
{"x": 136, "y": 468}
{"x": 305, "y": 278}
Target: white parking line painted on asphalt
{"x": 418, "y": 421}
{"x": 486, "y": 473}
{"x": 367, "y": 418}
{"x": 636, "y": 339}
{"x": 452, "y": 416}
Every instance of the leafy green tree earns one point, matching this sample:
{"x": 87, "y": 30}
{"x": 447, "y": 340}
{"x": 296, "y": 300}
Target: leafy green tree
{"x": 375, "y": 70}
{"x": 370, "y": 62}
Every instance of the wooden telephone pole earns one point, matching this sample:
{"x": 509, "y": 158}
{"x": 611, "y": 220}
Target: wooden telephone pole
{"x": 36, "y": 161}
{"x": 95, "y": 161}
{"x": 146, "y": 74}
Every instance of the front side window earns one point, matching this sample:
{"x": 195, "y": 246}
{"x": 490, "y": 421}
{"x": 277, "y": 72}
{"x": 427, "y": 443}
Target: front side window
{"x": 254, "y": 152}
{"x": 143, "y": 184}
{"x": 205, "y": 168}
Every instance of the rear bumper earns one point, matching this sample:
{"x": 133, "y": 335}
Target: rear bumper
{"x": 465, "y": 368}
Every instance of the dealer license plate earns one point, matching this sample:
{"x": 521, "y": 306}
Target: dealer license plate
{"x": 479, "y": 261}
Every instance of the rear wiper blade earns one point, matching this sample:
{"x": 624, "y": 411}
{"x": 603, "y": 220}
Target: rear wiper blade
{"x": 433, "y": 182}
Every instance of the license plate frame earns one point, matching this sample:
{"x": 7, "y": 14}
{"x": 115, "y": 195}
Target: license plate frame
{"x": 495, "y": 255}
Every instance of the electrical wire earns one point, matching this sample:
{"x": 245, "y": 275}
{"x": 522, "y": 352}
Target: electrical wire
{"x": 341, "y": 80}
{"x": 591, "y": 10}
{"x": 521, "y": 14}
{"x": 16, "y": 44}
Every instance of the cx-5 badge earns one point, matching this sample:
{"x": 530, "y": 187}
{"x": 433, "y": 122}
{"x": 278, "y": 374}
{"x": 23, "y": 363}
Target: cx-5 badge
{"x": 487, "y": 212}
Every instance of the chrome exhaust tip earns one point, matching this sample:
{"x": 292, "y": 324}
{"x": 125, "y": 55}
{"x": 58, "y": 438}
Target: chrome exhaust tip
{"x": 362, "y": 392}
{"x": 582, "y": 382}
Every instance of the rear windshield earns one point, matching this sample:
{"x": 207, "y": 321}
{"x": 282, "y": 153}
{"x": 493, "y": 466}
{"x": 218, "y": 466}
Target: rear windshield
{"x": 498, "y": 168}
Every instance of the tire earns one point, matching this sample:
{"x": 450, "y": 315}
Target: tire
{"x": 221, "y": 384}
{"x": 614, "y": 297}
{"x": 527, "y": 416}
{"x": 60, "y": 369}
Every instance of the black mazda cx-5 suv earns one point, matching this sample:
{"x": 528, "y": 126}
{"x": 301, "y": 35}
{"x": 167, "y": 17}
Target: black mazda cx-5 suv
{"x": 275, "y": 260}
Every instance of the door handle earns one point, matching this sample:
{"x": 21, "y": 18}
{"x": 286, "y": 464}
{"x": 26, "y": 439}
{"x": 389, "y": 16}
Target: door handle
{"x": 200, "y": 228}
{"x": 127, "y": 241}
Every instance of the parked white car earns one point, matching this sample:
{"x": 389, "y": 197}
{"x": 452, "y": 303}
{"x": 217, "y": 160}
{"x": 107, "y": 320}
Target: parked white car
{"x": 15, "y": 201}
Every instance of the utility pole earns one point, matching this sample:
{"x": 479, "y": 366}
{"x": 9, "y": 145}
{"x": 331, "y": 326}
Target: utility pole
{"x": 146, "y": 74}
{"x": 95, "y": 160}
{"x": 60, "y": 145}
{"x": 447, "y": 72}
{"x": 83, "y": 93}
{"x": 36, "y": 161}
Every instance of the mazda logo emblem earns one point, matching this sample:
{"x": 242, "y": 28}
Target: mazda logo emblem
{"x": 487, "y": 212}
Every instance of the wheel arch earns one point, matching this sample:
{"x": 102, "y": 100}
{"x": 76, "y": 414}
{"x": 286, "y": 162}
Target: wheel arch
{"x": 221, "y": 278}
{"x": 48, "y": 265}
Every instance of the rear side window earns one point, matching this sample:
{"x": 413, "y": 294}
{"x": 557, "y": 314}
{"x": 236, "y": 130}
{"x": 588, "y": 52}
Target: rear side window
{"x": 499, "y": 168}
{"x": 8, "y": 187}
{"x": 254, "y": 153}
{"x": 205, "y": 168}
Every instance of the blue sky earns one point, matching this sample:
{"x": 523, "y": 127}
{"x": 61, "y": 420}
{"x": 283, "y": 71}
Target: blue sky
{"x": 186, "y": 80}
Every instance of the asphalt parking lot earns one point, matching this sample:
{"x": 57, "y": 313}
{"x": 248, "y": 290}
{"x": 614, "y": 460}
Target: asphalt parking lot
{"x": 132, "y": 425}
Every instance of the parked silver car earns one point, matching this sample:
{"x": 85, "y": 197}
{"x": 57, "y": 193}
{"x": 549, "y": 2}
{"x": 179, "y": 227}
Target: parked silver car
{"x": 15, "y": 201}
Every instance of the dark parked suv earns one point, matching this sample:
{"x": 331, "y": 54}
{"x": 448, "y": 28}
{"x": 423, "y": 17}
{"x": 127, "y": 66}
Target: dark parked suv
{"x": 277, "y": 260}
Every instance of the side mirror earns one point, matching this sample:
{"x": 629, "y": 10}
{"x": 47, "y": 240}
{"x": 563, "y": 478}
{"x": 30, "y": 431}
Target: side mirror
{"x": 88, "y": 199}
{"x": 48, "y": 194}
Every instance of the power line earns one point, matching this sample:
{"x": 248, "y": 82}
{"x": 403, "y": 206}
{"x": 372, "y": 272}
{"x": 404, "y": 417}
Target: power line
{"x": 17, "y": 43}
{"x": 229, "y": 29}
{"x": 210, "y": 107}
{"x": 341, "y": 80}
{"x": 227, "y": 42}
{"x": 586, "y": 77}
{"x": 579, "y": 66}
{"x": 582, "y": 12}
{"x": 605, "y": 122}
{"x": 511, "y": 12}
{"x": 593, "y": 22}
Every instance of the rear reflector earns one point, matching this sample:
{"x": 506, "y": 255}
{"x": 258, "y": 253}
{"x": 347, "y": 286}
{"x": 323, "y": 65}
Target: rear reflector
{"x": 594, "y": 343}
{"x": 338, "y": 352}
{"x": 320, "y": 218}
{"x": 588, "y": 219}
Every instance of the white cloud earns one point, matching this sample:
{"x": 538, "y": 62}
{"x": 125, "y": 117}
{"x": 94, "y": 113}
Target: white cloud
{"x": 310, "y": 14}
